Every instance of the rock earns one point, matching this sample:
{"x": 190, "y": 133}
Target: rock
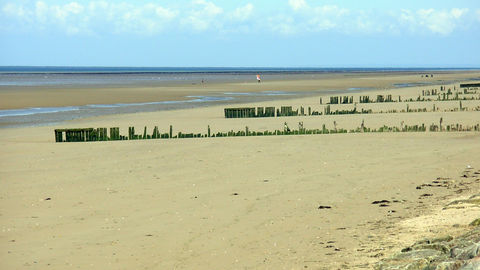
{"x": 476, "y": 222}
{"x": 472, "y": 265}
{"x": 379, "y": 202}
{"x": 442, "y": 248}
{"x": 441, "y": 253}
{"x": 447, "y": 238}
{"x": 418, "y": 259}
{"x": 324, "y": 207}
{"x": 466, "y": 253}
{"x": 449, "y": 265}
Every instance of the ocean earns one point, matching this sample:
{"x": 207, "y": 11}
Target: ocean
{"x": 84, "y": 76}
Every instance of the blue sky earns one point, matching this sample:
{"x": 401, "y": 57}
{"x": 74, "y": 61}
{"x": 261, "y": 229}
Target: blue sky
{"x": 261, "y": 33}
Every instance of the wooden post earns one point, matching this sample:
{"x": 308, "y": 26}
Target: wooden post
{"x": 58, "y": 136}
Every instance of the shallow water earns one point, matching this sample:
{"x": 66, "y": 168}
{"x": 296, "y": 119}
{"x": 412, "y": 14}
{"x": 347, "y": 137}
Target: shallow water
{"x": 53, "y": 115}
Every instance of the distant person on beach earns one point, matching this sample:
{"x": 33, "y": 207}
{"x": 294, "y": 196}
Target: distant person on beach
{"x": 259, "y": 80}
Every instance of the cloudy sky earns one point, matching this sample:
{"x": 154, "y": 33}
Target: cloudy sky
{"x": 260, "y": 33}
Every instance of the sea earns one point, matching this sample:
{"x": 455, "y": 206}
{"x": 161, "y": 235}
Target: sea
{"x": 65, "y": 77}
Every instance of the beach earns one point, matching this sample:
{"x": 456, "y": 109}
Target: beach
{"x": 247, "y": 202}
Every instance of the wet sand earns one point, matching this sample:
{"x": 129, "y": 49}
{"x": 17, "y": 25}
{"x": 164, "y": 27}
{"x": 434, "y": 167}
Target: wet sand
{"x": 230, "y": 203}
{"x": 16, "y": 97}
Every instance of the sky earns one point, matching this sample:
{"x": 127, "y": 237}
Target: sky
{"x": 240, "y": 33}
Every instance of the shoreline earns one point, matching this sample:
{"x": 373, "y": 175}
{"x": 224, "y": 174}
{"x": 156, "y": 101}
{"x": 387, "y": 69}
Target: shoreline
{"x": 61, "y": 104}
{"x": 17, "y": 97}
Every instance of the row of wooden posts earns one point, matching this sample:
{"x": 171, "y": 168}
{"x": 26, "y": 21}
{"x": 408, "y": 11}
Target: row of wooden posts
{"x": 100, "y": 134}
{"x": 361, "y": 99}
{"x": 445, "y": 96}
{"x": 288, "y": 111}
{"x": 250, "y": 112}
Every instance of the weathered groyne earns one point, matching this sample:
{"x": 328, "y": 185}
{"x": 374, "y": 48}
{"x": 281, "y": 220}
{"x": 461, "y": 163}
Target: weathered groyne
{"x": 100, "y": 134}
{"x": 444, "y": 94}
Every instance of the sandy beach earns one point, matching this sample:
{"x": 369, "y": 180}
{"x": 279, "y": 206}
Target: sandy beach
{"x": 276, "y": 202}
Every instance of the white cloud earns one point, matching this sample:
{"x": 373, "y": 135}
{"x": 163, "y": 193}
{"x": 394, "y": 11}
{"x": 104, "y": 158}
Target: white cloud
{"x": 208, "y": 8}
{"x": 327, "y": 17}
{"x": 41, "y": 11}
{"x": 330, "y": 10}
{"x": 297, "y": 4}
{"x": 243, "y": 13}
{"x": 75, "y": 18}
{"x": 165, "y": 13}
{"x": 282, "y": 24}
{"x": 441, "y": 22}
{"x": 309, "y": 18}
{"x": 458, "y": 12}
{"x": 14, "y": 10}
{"x": 151, "y": 18}
{"x": 203, "y": 16}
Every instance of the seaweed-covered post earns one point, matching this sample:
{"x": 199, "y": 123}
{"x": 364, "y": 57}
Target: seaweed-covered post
{"x": 208, "y": 134}
{"x": 335, "y": 125}
{"x": 58, "y": 136}
{"x": 131, "y": 133}
{"x": 309, "y": 111}
{"x": 441, "y": 121}
{"x": 461, "y": 108}
{"x": 363, "y": 125}
{"x": 320, "y": 100}
{"x": 171, "y": 130}
{"x": 246, "y": 131}
{"x": 327, "y": 110}
{"x": 112, "y": 134}
{"x": 104, "y": 133}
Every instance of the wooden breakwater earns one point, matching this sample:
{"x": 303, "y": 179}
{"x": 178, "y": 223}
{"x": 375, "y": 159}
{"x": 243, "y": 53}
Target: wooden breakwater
{"x": 428, "y": 95}
{"x": 251, "y": 112}
{"x": 100, "y": 134}
{"x": 248, "y": 112}
{"x": 469, "y": 85}
{"x": 86, "y": 134}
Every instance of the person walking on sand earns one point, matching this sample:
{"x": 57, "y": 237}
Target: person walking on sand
{"x": 258, "y": 78}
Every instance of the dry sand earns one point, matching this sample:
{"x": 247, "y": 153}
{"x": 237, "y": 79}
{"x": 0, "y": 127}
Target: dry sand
{"x": 227, "y": 203}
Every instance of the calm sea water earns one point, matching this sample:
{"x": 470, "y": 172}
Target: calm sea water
{"x": 98, "y": 76}
{"x": 74, "y": 76}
